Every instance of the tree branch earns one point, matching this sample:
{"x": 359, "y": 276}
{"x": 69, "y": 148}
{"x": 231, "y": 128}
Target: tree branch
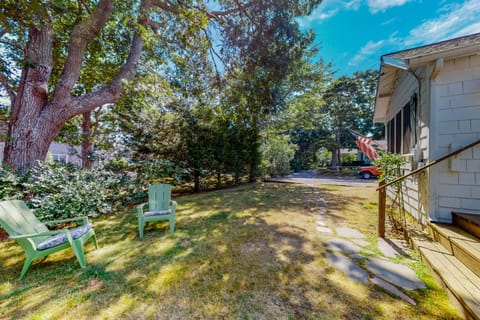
{"x": 111, "y": 92}
{"x": 8, "y": 88}
{"x": 11, "y": 44}
{"x": 218, "y": 15}
{"x": 164, "y": 6}
{"x": 81, "y": 35}
{"x": 84, "y": 5}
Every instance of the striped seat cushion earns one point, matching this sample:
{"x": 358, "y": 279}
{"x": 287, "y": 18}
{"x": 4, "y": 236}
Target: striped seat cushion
{"x": 157, "y": 213}
{"x": 61, "y": 238}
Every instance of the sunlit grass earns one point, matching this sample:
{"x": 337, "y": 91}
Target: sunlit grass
{"x": 251, "y": 252}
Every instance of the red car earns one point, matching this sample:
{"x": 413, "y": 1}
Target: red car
{"x": 369, "y": 172}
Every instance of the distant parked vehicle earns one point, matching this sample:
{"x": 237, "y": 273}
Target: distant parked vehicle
{"x": 369, "y": 172}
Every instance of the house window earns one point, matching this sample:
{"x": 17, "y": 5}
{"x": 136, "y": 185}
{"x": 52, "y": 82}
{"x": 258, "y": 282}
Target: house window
{"x": 407, "y": 131}
{"x": 62, "y": 158}
{"x": 401, "y": 130}
{"x": 391, "y": 136}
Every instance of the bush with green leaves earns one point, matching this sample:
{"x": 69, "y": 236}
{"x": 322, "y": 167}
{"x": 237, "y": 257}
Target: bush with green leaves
{"x": 348, "y": 159}
{"x": 133, "y": 178}
{"x": 277, "y": 152}
{"x": 324, "y": 157}
{"x": 391, "y": 164}
{"x": 58, "y": 191}
{"x": 10, "y": 184}
{"x": 64, "y": 191}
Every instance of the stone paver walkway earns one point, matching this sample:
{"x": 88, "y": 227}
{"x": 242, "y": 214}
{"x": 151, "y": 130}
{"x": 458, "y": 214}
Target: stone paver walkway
{"x": 347, "y": 247}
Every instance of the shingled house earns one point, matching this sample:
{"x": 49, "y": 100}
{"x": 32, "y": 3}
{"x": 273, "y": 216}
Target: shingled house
{"x": 429, "y": 100}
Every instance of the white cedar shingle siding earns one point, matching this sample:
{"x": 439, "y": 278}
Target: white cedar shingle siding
{"x": 457, "y": 93}
{"x": 414, "y": 201}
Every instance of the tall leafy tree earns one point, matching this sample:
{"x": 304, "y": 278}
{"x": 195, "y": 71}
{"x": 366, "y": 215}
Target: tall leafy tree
{"x": 48, "y": 46}
{"x": 348, "y": 106}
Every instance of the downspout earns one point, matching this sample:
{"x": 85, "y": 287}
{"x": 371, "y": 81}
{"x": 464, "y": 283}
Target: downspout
{"x": 402, "y": 64}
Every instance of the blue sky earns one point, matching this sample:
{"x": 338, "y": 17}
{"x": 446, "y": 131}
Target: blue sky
{"x": 354, "y": 34}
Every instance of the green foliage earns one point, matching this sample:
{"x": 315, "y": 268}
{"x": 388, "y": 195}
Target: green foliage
{"x": 390, "y": 164}
{"x": 324, "y": 157}
{"x": 65, "y": 191}
{"x": 131, "y": 179}
{"x": 308, "y": 142}
{"x": 277, "y": 152}
{"x": 10, "y": 184}
{"x": 348, "y": 159}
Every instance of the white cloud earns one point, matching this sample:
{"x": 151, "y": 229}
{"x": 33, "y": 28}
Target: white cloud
{"x": 471, "y": 29}
{"x": 459, "y": 20}
{"x": 382, "y": 5}
{"x": 371, "y": 49}
{"x": 353, "y": 5}
{"x": 316, "y": 15}
{"x": 328, "y": 9}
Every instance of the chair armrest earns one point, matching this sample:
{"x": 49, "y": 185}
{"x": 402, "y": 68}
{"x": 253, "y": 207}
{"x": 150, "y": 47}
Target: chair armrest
{"x": 140, "y": 207}
{"x": 84, "y": 219}
{"x": 41, "y": 234}
{"x": 174, "y": 205}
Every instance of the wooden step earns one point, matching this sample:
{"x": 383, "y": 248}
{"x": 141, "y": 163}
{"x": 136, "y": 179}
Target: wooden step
{"x": 467, "y": 222}
{"x": 459, "y": 243}
{"x": 461, "y": 284}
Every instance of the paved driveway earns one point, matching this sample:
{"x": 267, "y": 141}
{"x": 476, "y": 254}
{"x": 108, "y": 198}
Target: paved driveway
{"x": 307, "y": 177}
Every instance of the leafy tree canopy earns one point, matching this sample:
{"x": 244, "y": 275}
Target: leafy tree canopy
{"x": 59, "y": 59}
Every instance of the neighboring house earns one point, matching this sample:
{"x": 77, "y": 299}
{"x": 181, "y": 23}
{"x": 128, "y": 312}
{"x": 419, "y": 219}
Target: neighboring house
{"x": 429, "y": 100}
{"x": 57, "y": 152}
{"x": 66, "y": 154}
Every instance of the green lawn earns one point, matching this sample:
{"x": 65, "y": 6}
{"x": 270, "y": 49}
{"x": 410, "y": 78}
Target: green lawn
{"x": 251, "y": 252}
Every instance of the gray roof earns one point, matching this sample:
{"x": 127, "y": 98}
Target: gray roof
{"x": 435, "y": 48}
{"x": 393, "y": 64}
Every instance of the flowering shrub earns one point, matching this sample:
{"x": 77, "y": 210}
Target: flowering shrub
{"x": 58, "y": 191}
{"x": 64, "y": 191}
{"x": 10, "y": 184}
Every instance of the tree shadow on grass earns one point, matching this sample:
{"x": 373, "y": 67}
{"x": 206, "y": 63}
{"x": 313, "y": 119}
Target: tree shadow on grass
{"x": 237, "y": 253}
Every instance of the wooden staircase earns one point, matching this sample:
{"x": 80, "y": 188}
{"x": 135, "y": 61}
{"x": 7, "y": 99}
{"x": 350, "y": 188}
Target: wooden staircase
{"x": 453, "y": 255}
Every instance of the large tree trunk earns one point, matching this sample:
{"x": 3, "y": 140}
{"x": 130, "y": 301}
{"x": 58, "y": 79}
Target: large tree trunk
{"x": 27, "y": 132}
{"x": 38, "y": 114}
{"x": 336, "y": 159}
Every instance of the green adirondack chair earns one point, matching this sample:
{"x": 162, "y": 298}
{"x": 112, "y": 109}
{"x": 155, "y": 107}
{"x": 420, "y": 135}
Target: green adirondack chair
{"x": 160, "y": 207}
{"x": 34, "y": 237}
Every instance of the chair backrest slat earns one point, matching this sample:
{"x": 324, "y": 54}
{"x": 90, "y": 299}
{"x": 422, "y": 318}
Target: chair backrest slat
{"x": 17, "y": 219}
{"x": 159, "y": 196}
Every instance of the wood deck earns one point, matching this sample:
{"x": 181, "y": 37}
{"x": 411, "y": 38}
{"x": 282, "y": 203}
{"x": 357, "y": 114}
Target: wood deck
{"x": 453, "y": 256}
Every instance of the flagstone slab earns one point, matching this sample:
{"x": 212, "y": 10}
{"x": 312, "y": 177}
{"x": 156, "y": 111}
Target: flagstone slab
{"x": 343, "y": 245}
{"x": 393, "y": 290}
{"x": 324, "y": 230}
{"x": 357, "y": 256}
{"x": 322, "y": 211}
{"x": 397, "y": 274}
{"x": 349, "y": 233}
{"x": 360, "y": 242}
{"x": 387, "y": 249}
{"x": 352, "y": 270}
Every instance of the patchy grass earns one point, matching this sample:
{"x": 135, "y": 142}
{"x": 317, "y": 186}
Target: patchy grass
{"x": 246, "y": 253}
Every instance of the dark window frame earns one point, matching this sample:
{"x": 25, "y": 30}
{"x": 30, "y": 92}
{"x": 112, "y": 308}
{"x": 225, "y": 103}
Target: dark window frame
{"x": 402, "y": 128}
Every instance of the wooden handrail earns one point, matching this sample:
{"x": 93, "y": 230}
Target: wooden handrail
{"x": 428, "y": 165}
